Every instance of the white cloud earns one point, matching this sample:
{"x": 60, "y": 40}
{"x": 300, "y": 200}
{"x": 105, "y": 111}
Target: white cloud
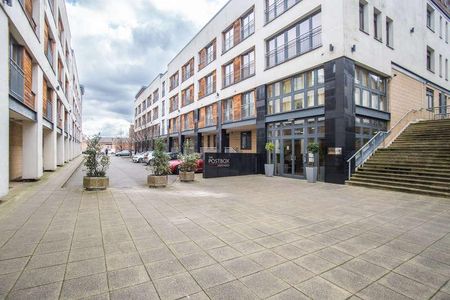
{"x": 122, "y": 45}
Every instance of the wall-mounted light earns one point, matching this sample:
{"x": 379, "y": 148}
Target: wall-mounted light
{"x": 331, "y": 48}
{"x": 412, "y": 30}
{"x": 354, "y": 48}
{"x": 8, "y": 2}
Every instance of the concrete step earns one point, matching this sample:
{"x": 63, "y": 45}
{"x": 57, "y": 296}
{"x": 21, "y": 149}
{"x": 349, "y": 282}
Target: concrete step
{"x": 425, "y": 187}
{"x": 408, "y": 180}
{"x": 406, "y": 164}
{"x": 400, "y": 171}
{"x": 407, "y": 168}
{"x": 395, "y": 176}
{"x": 399, "y": 189}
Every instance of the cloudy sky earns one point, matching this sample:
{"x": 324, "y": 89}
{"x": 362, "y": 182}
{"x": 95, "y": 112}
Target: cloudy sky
{"x": 122, "y": 45}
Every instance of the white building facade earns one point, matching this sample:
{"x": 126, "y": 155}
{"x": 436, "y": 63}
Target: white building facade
{"x": 40, "y": 111}
{"x": 294, "y": 72}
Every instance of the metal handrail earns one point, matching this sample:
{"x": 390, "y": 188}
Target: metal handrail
{"x": 366, "y": 151}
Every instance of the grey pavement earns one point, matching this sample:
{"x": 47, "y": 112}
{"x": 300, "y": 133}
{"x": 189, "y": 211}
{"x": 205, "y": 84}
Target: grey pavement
{"x": 246, "y": 237}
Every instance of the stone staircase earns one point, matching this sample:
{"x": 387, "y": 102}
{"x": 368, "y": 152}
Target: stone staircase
{"x": 418, "y": 161}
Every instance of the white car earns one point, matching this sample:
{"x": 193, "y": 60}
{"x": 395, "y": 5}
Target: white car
{"x": 148, "y": 157}
{"x": 139, "y": 157}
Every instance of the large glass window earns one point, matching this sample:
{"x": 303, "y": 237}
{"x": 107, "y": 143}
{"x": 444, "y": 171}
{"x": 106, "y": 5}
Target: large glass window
{"x": 248, "y": 65}
{"x": 296, "y": 40}
{"x": 274, "y": 8}
{"x": 228, "y": 110}
{"x": 248, "y": 25}
{"x": 228, "y": 37}
{"x": 228, "y": 76}
{"x": 370, "y": 90}
{"x": 301, "y": 91}
{"x": 248, "y": 105}
{"x": 366, "y": 128}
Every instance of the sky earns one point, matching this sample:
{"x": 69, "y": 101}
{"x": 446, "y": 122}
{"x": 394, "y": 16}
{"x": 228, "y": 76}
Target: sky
{"x": 121, "y": 46}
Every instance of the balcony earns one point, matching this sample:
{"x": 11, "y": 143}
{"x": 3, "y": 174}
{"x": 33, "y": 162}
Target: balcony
{"x": 16, "y": 81}
{"x": 296, "y": 47}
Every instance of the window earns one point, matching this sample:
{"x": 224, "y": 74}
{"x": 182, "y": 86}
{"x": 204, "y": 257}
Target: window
{"x": 248, "y": 105}
{"x": 174, "y": 81}
{"x": 227, "y": 110}
{"x": 446, "y": 69}
{"x": 430, "y": 17}
{"x": 209, "y": 116}
{"x": 163, "y": 92}
{"x": 248, "y": 65}
{"x": 228, "y": 76}
{"x": 299, "y": 92}
{"x": 377, "y": 25}
{"x": 210, "y": 85}
{"x": 248, "y": 25}
{"x": 363, "y": 24}
{"x": 440, "y": 27}
{"x": 389, "y": 33}
{"x": 274, "y": 8}
{"x": 246, "y": 140}
{"x": 366, "y": 128}
{"x": 296, "y": 40}
{"x": 188, "y": 70}
{"x": 440, "y": 65}
{"x": 446, "y": 32}
{"x": 430, "y": 59}
{"x": 209, "y": 54}
{"x": 228, "y": 39}
{"x": 370, "y": 90}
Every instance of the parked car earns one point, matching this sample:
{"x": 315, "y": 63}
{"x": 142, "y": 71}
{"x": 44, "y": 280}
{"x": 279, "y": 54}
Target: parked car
{"x": 124, "y": 153}
{"x": 174, "y": 164}
{"x": 148, "y": 156}
{"x": 139, "y": 157}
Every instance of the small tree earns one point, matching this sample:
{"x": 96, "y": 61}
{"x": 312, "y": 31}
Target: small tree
{"x": 189, "y": 158}
{"x": 313, "y": 149}
{"x": 160, "y": 159}
{"x": 270, "y": 147}
{"x": 96, "y": 162}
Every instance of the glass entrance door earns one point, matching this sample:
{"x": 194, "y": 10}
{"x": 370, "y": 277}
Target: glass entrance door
{"x": 293, "y": 157}
{"x": 299, "y": 157}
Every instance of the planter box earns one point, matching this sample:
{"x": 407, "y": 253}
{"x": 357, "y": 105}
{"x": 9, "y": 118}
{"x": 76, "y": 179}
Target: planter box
{"x": 268, "y": 169}
{"x": 311, "y": 174}
{"x": 157, "y": 181}
{"x": 95, "y": 183}
{"x": 187, "y": 176}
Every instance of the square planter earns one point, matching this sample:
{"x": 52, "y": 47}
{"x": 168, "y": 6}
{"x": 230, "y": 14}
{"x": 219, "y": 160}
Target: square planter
{"x": 157, "y": 181}
{"x": 95, "y": 183}
{"x": 187, "y": 176}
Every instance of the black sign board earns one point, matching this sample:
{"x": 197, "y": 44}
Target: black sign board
{"x": 230, "y": 164}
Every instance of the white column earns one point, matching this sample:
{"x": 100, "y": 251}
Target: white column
{"x": 60, "y": 155}
{"x": 32, "y": 134}
{"x": 4, "y": 104}
{"x": 50, "y": 141}
{"x": 66, "y": 142}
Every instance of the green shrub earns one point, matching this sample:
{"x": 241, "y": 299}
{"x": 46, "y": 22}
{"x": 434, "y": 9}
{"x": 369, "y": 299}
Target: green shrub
{"x": 160, "y": 159}
{"x": 189, "y": 158}
{"x": 96, "y": 162}
{"x": 270, "y": 147}
{"x": 313, "y": 148}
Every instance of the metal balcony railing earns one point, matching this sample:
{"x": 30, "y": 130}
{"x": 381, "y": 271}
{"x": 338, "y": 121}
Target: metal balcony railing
{"x": 247, "y": 30}
{"x": 248, "y": 111}
{"x": 278, "y": 8}
{"x": 16, "y": 81}
{"x": 228, "y": 115}
{"x": 48, "y": 113}
{"x": 300, "y": 45}
{"x": 210, "y": 121}
{"x": 248, "y": 70}
{"x": 210, "y": 88}
{"x": 228, "y": 79}
{"x": 49, "y": 55}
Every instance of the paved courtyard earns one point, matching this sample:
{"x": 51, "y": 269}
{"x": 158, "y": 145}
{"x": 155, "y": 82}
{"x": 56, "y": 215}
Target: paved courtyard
{"x": 231, "y": 238}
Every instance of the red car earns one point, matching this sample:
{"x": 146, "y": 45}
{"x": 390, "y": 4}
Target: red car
{"x": 174, "y": 164}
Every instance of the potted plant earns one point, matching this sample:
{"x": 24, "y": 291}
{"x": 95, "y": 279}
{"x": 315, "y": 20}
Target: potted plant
{"x": 311, "y": 169}
{"x": 188, "y": 163}
{"x": 269, "y": 167}
{"x": 160, "y": 166}
{"x": 96, "y": 164}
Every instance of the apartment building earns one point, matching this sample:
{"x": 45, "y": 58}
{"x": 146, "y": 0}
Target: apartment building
{"x": 295, "y": 72}
{"x": 40, "y": 111}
